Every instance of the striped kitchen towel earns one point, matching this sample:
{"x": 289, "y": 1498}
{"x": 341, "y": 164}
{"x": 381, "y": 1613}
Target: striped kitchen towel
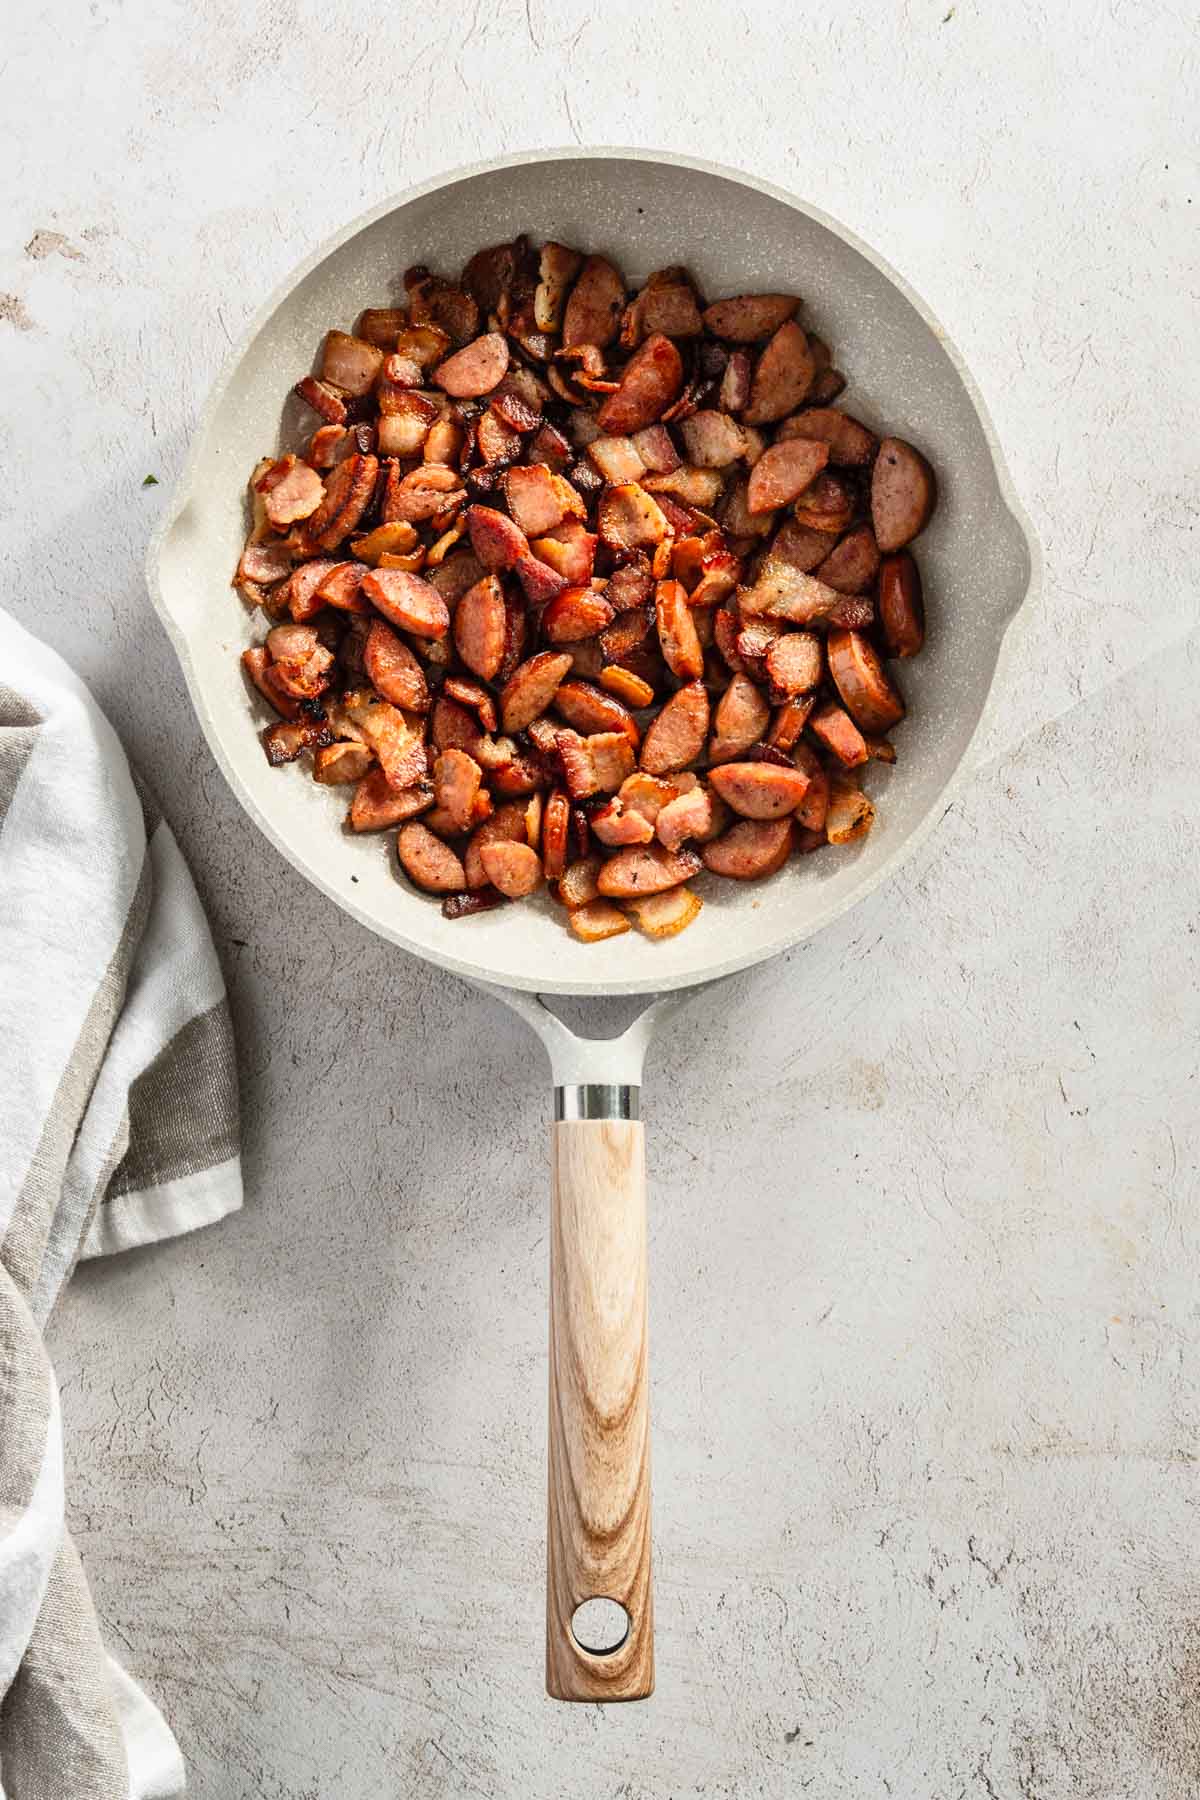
{"x": 118, "y": 1126}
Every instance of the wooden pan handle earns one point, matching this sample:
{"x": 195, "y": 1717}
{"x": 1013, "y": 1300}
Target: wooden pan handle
{"x": 599, "y": 1478}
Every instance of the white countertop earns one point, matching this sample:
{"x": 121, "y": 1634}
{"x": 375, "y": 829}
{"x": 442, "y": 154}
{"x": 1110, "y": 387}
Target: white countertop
{"x": 924, "y": 1222}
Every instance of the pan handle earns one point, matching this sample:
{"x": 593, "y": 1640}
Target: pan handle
{"x": 599, "y": 1599}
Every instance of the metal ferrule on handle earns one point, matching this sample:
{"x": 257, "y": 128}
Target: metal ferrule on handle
{"x": 598, "y": 1100}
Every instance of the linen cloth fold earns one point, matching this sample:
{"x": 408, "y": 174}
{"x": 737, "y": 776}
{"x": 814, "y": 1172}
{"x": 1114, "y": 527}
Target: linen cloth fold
{"x": 118, "y": 1127}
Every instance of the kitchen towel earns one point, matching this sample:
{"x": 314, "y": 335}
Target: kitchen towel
{"x": 118, "y": 1127}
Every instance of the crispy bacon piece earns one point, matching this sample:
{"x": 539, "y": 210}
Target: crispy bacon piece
{"x": 598, "y": 920}
{"x": 322, "y": 399}
{"x": 291, "y": 490}
{"x": 575, "y": 613}
{"x": 712, "y": 440}
{"x": 350, "y": 364}
{"x": 377, "y": 805}
{"x": 628, "y": 518}
{"x": 284, "y": 742}
{"x": 557, "y": 269}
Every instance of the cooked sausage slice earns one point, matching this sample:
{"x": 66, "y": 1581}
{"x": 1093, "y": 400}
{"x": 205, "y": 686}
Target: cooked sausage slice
{"x": 407, "y": 601}
{"x": 794, "y": 664}
{"x": 741, "y": 718}
{"x": 292, "y": 491}
{"x": 589, "y": 710}
{"x": 457, "y": 778}
{"x": 496, "y": 541}
{"x": 859, "y": 677}
{"x": 645, "y": 869}
{"x": 676, "y": 736}
{"x": 759, "y": 790}
{"x": 340, "y": 587}
{"x": 789, "y": 721}
{"x": 429, "y": 862}
{"x": 853, "y": 563}
{"x": 377, "y": 805}
{"x": 348, "y": 492}
{"x": 334, "y": 765}
{"x": 556, "y": 834}
{"x": 750, "y": 849}
{"x": 851, "y": 445}
{"x": 480, "y": 622}
{"x": 476, "y": 369}
{"x": 827, "y": 503}
{"x": 782, "y": 378}
{"x": 838, "y": 732}
{"x": 901, "y": 604}
{"x": 784, "y": 471}
{"x": 810, "y": 814}
{"x": 903, "y": 494}
{"x": 593, "y": 312}
{"x": 800, "y": 546}
{"x": 677, "y": 632}
{"x": 530, "y": 689}
{"x": 512, "y": 868}
{"x": 650, "y": 381}
{"x": 748, "y": 317}
{"x": 506, "y": 825}
{"x": 393, "y": 670}
{"x": 575, "y": 613}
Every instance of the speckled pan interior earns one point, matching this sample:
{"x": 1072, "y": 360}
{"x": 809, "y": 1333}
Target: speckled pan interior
{"x": 977, "y": 557}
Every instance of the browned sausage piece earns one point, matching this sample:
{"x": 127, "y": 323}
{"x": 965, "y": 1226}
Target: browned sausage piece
{"x": 741, "y": 718}
{"x": 506, "y": 825}
{"x": 784, "y": 471}
{"x": 901, "y": 604}
{"x": 348, "y": 492}
{"x": 677, "y": 631}
{"x": 759, "y": 790}
{"x": 790, "y": 721}
{"x": 428, "y": 862}
{"x": 827, "y": 504}
{"x": 292, "y": 491}
{"x": 574, "y": 614}
{"x": 407, "y": 601}
{"x": 750, "y": 849}
{"x": 903, "y": 494}
{"x": 676, "y": 736}
{"x": 853, "y": 563}
{"x": 393, "y": 670}
{"x": 593, "y": 312}
{"x": 377, "y": 805}
{"x": 479, "y": 628}
{"x": 810, "y": 814}
{"x": 530, "y": 689}
{"x": 339, "y": 588}
{"x": 469, "y": 693}
{"x": 476, "y": 369}
{"x": 838, "y": 732}
{"x": 645, "y": 869}
{"x": 456, "y": 782}
{"x": 496, "y": 541}
{"x": 782, "y": 378}
{"x": 512, "y": 868}
{"x": 452, "y": 726}
{"x": 800, "y": 546}
{"x": 859, "y": 678}
{"x": 650, "y": 381}
{"x": 589, "y": 709}
{"x": 556, "y": 832}
{"x": 749, "y": 317}
{"x": 851, "y": 445}
{"x": 794, "y": 664}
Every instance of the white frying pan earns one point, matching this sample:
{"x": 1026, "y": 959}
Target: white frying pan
{"x": 979, "y": 560}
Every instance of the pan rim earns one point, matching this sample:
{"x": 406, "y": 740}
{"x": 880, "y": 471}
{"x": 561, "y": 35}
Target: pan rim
{"x": 463, "y": 966}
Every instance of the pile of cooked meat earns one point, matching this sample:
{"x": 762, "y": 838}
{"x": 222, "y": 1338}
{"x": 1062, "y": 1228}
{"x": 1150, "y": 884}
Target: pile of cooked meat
{"x": 585, "y": 588}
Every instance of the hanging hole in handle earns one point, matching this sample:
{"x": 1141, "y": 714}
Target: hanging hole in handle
{"x": 600, "y": 1626}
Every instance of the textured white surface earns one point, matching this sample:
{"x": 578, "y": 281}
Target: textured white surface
{"x": 924, "y": 1227}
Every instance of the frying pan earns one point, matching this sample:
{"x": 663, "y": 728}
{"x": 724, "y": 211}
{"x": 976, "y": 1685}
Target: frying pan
{"x": 979, "y": 560}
